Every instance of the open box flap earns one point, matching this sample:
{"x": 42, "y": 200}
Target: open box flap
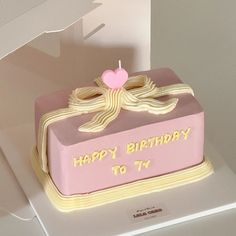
{"x": 12, "y": 199}
{"x": 24, "y": 22}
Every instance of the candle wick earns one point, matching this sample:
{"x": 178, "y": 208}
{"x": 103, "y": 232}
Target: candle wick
{"x": 119, "y": 64}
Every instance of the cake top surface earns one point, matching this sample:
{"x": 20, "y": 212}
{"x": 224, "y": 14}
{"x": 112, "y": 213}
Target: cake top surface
{"x": 67, "y": 132}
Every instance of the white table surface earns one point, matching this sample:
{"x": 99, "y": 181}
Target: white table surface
{"x": 214, "y": 225}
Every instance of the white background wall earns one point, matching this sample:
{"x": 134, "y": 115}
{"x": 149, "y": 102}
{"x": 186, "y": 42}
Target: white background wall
{"x": 198, "y": 40}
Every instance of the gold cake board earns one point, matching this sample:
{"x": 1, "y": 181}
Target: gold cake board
{"x": 137, "y": 188}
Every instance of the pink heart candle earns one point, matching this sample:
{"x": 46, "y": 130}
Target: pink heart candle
{"x": 115, "y": 79}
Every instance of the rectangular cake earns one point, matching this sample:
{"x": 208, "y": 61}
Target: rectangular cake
{"x": 136, "y": 146}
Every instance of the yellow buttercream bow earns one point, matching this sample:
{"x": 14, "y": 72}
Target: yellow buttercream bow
{"x": 139, "y": 93}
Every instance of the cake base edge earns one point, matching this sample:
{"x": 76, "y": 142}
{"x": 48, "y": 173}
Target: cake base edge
{"x": 140, "y": 187}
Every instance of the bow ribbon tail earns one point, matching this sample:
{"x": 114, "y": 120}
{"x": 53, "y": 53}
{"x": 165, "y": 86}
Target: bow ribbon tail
{"x": 150, "y": 105}
{"x": 113, "y": 100}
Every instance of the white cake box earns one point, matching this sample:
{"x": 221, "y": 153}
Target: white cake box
{"x": 48, "y": 44}
{"x": 45, "y": 64}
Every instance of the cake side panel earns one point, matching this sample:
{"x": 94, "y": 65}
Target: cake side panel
{"x": 124, "y": 157}
{"x": 55, "y": 153}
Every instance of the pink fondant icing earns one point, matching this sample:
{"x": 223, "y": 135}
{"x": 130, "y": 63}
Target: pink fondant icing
{"x": 65, "y": 142}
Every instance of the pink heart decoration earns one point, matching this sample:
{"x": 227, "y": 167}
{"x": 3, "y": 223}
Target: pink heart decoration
{"x": 115, "y": 79}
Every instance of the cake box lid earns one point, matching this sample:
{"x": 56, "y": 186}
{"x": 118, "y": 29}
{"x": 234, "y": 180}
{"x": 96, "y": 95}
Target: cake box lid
{"x": 21, "y": 22}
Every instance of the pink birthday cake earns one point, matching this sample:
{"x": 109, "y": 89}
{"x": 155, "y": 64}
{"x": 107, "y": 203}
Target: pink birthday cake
{"x": 117, "y": 138}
